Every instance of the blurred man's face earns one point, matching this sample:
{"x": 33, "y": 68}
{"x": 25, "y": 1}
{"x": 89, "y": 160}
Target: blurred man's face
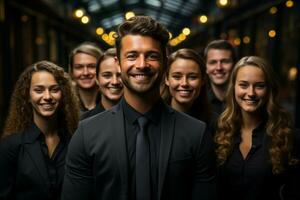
{"x": 219, "y": 65}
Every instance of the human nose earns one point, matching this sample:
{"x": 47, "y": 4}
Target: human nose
{"x": 251, "y": 91}
{"x": 219, "y": 65}
{"x": 141, "y": 62}
{"x": 85, "y": 70}
{"x": 47, "y": 95}
{"x": 184, "y": 81}
{"x": 115, "y": 80}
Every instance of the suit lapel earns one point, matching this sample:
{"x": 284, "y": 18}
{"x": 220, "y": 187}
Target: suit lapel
{"x": 120, "y": 145}
{"x": 32, "y": 146}
{"x": 167, "y": 133}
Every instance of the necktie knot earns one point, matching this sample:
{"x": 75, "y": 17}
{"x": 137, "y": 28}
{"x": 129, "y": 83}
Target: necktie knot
{"x": 142, "y": 121}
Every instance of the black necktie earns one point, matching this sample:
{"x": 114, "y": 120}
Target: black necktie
{"x": 142, "y": 162}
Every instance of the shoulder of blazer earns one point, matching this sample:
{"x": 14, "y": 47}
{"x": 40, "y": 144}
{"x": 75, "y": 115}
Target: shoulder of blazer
{"x": 29, "y": 135}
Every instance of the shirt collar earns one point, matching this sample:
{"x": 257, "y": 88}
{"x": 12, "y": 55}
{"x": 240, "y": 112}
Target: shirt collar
{"x": 258, "y": 135}
{"x": 132, "y": 115}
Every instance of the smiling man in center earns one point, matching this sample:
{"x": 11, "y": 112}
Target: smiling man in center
{"x": 141, "y": 149}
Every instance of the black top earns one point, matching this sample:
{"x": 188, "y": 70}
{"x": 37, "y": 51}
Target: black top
{"x": 82, "y": 107}
{"x": 217, "y": 105}
{"x": 53, "y": 164}
{"x": 26, "y": 170}
{"x": 252, "y": 178}
{"x": 154, "y": 133}
{"x": 98, "y": 109}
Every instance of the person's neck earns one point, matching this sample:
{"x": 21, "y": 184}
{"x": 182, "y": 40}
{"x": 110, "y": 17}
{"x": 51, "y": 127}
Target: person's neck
{"x": 180, "y": 107}
{"x": 106, "y": 103}
{"x": 250, "y": 121}
{"x": 48, "y": 126}
{"x": 141, "y": 102}
{"x": 88, "y": 97}
{"x": 219, "y": 91}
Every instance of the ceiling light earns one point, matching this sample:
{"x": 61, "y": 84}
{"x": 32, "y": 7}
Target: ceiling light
{"x": 186, "y": 31}
{"x": 128, "y": 15}
{"x": 79, "y": 13}
{"x": 203, "y": 19}
{"x": 272, "y": 33}
{"x": 85, "y": 19}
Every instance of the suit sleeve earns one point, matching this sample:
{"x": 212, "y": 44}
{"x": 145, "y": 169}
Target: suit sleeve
{"x": 204, "y": 186}
{"x": 9, "y": 150}
{"x": 78, "y": 180}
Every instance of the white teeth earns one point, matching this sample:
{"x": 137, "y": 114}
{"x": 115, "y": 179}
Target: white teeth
{"x": 115, "y": 89}
{"x": 185, "y": 91}
{"x": 250, "y": 101}
{"x": 141, "y": 76}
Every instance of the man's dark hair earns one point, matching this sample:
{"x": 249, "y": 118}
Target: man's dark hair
{"x": 220, "y": 44}
{"x": 144, "y": 26}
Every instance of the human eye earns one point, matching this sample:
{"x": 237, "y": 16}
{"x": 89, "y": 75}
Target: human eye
{"x": 153, "y": 56}
{"x": 176, "y": 76}
{"x": 226, "y": 61}
{"x": 55, "y": 89}
{"x": 131, "y": 56}
{"x": 91, "y": 66}
{"x": 106, "y": 75}
{"x": 260, "y": 85}
{"x": 38, "y": 90}
{"x": 78, "y": 66}
{"x": 212, "y": 62}
{"x": 243, "y": 85}
{"x": 193, "y": 76}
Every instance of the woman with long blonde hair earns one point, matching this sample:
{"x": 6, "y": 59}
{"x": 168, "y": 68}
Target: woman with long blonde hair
{"x": 43, "y": 115}
{"x": 257, "y": 147}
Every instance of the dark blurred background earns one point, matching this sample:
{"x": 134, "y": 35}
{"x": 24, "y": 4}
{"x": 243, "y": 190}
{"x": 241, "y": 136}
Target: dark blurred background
{"x": 34, "y": 30}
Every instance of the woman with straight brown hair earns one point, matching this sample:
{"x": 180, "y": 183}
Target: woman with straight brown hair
{"x": 185, "y": 89}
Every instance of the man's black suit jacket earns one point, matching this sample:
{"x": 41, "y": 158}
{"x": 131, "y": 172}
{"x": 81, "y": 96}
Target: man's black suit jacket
{"x": 97, "y": 164}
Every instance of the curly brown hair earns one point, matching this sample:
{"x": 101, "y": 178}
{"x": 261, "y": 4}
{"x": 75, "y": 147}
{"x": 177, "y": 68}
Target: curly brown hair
{"x": 278, "y": 122}
{"x": 20, "y": 114}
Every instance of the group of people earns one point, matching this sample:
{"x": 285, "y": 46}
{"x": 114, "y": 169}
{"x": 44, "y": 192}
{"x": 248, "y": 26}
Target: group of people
{"x": 138, "y": 123}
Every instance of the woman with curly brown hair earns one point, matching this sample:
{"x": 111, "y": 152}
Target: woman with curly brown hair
{"x": 257, "y": 148}
{"x": 42, "y": 117}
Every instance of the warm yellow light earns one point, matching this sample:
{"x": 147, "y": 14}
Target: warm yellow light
{"x": 85, "y": 19}
{"x": 272, "y": 33}
{"x": 182, "y": 37}
{"x": 222, "y": 3}
{"x": 246, "y": 39}
{"x": 293, "y": 71}
{"x": 186, "y": 31}
{"x": 289, "y": 3}
{"x": 237, "y": 41}
{"x": 105, "y": 37}
{"x": 128, "y": 15}
{"x": 99, "y": 31}
{"x": 79, "y": 13}
{"x": 170, "y": 35}
{"x": 174, "y": 42}
{"x": 111, "y": 35}
{"x": 203, "y": 19}
{"x": 273, "y": 10}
